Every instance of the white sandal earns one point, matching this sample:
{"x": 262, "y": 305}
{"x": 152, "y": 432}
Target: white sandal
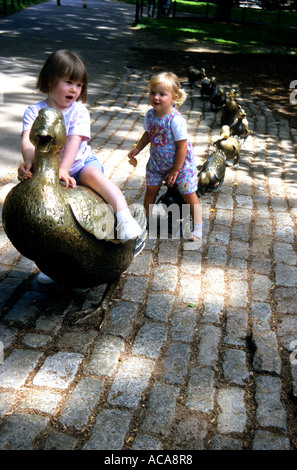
{"x": 196, "y": 233}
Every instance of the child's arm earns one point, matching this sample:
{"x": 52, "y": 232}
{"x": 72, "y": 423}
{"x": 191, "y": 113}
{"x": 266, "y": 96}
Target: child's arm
{"x": 71, "y": 148}
{"x": 144, "y": 141}
{"x": 28, "y": 151}
{"x": 180, "y": 156}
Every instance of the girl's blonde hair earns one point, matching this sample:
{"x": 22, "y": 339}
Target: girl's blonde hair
{"x": 61, "y": 65}
{"x": 172, "y": 84}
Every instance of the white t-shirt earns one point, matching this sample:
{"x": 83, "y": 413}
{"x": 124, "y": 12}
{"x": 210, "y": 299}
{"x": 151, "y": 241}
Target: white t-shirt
{"x": 77, "y": 122}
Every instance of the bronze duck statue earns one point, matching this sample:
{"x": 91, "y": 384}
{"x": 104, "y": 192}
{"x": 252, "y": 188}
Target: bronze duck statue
{"x": 68, "y": 232}
{"x": 212, "y": 173}
{"x": 217, "y": 99}
{"x": 240, "y": 128}
{"x": 194, "y": 74}
{"x": 170, "y": 220}
{"x": 230, "y": 109}
{"x": 208, "y": 86}
{"x": 228, "y": 145}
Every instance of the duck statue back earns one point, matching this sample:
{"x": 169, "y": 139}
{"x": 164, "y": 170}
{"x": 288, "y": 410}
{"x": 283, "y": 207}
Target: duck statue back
{"x": 68, "y": 232}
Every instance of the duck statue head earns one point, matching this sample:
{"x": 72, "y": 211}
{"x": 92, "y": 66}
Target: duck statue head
{"x": 240, "y": 128}
{"x": 68, "y": 232}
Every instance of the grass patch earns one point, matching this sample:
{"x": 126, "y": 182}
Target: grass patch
{"x": 249, "y": 38}
{"x": 196, "y": 8}
{"x": 249, "y": 31}
{"x": 239, "y": 14}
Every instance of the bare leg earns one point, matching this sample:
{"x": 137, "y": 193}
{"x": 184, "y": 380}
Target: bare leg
{"x": 195, "y": 211}
{"x": 150, "y": 198}
{"x": 127, "y": 227}
{"x": 96, "y": 180}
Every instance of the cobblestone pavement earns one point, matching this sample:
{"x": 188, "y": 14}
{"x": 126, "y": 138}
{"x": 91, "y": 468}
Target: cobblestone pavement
{"x": 199, "y": 348}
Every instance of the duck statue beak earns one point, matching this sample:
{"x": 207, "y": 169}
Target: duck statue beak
{"x": 44, "y": 143}
{"x": 48, "y": 132}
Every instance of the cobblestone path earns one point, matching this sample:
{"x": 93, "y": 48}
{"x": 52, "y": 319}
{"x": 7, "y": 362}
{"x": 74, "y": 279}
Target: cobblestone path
{"x": 199, "y": 348}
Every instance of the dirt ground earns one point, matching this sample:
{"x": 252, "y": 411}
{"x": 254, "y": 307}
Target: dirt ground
{"x": 263, "y": 75}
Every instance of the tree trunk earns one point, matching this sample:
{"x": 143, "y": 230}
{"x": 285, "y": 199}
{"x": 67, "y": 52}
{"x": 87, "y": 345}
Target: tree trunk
{"x": 223, "y": 11}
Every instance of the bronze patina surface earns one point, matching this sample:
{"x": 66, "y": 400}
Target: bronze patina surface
{"x": 241, "y": 126}
{"x": 212, "y": 173}
{"x": 230, "y": 109}
{"x": 228, "y": 145}
{"x": 218, "y": 99}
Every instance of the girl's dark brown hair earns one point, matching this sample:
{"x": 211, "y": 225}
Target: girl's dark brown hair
{"x": 61, "y": 65}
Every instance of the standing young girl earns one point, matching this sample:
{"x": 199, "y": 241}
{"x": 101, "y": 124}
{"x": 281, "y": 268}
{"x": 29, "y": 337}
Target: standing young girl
{"x": 171, "y": 155}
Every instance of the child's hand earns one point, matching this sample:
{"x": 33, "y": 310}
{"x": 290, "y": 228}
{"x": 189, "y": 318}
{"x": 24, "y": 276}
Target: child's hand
{"x": 171, "y": 177}
{"x": 132, "y": 161}
{"x": 131, "y": 156}
{"x": 24, "y": 171}
{"x": 64, "y": 176}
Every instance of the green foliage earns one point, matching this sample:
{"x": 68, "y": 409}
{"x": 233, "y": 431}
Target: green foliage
{"x": 13, "y": 6}
{"x": 243, "y": 38}
{"x": 242, "y": 34}
{"x": 239, "y": 14}
{"x": 194, "y": 22}
{"x": 196, "y": 8}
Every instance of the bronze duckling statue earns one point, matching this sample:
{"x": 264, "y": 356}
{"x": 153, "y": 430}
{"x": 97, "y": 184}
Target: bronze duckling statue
{"x": 240, "y": 128}
{"x": 230, "y": 109}
{"x": 171, "y": 196}
{"x": 228, "y": 145}
{"x": 212, "y": 173}
{"x": 194, "y": 74}
{"x": 68, "y": 232}
{"x": 217, "y": 99}
{"x": 173, "y": 205}
{"x": 208, "y": 86}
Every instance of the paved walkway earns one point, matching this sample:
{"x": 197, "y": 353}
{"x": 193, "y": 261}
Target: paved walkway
{"x": 101, "y": 33}
{"x": 198, "y": 351}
